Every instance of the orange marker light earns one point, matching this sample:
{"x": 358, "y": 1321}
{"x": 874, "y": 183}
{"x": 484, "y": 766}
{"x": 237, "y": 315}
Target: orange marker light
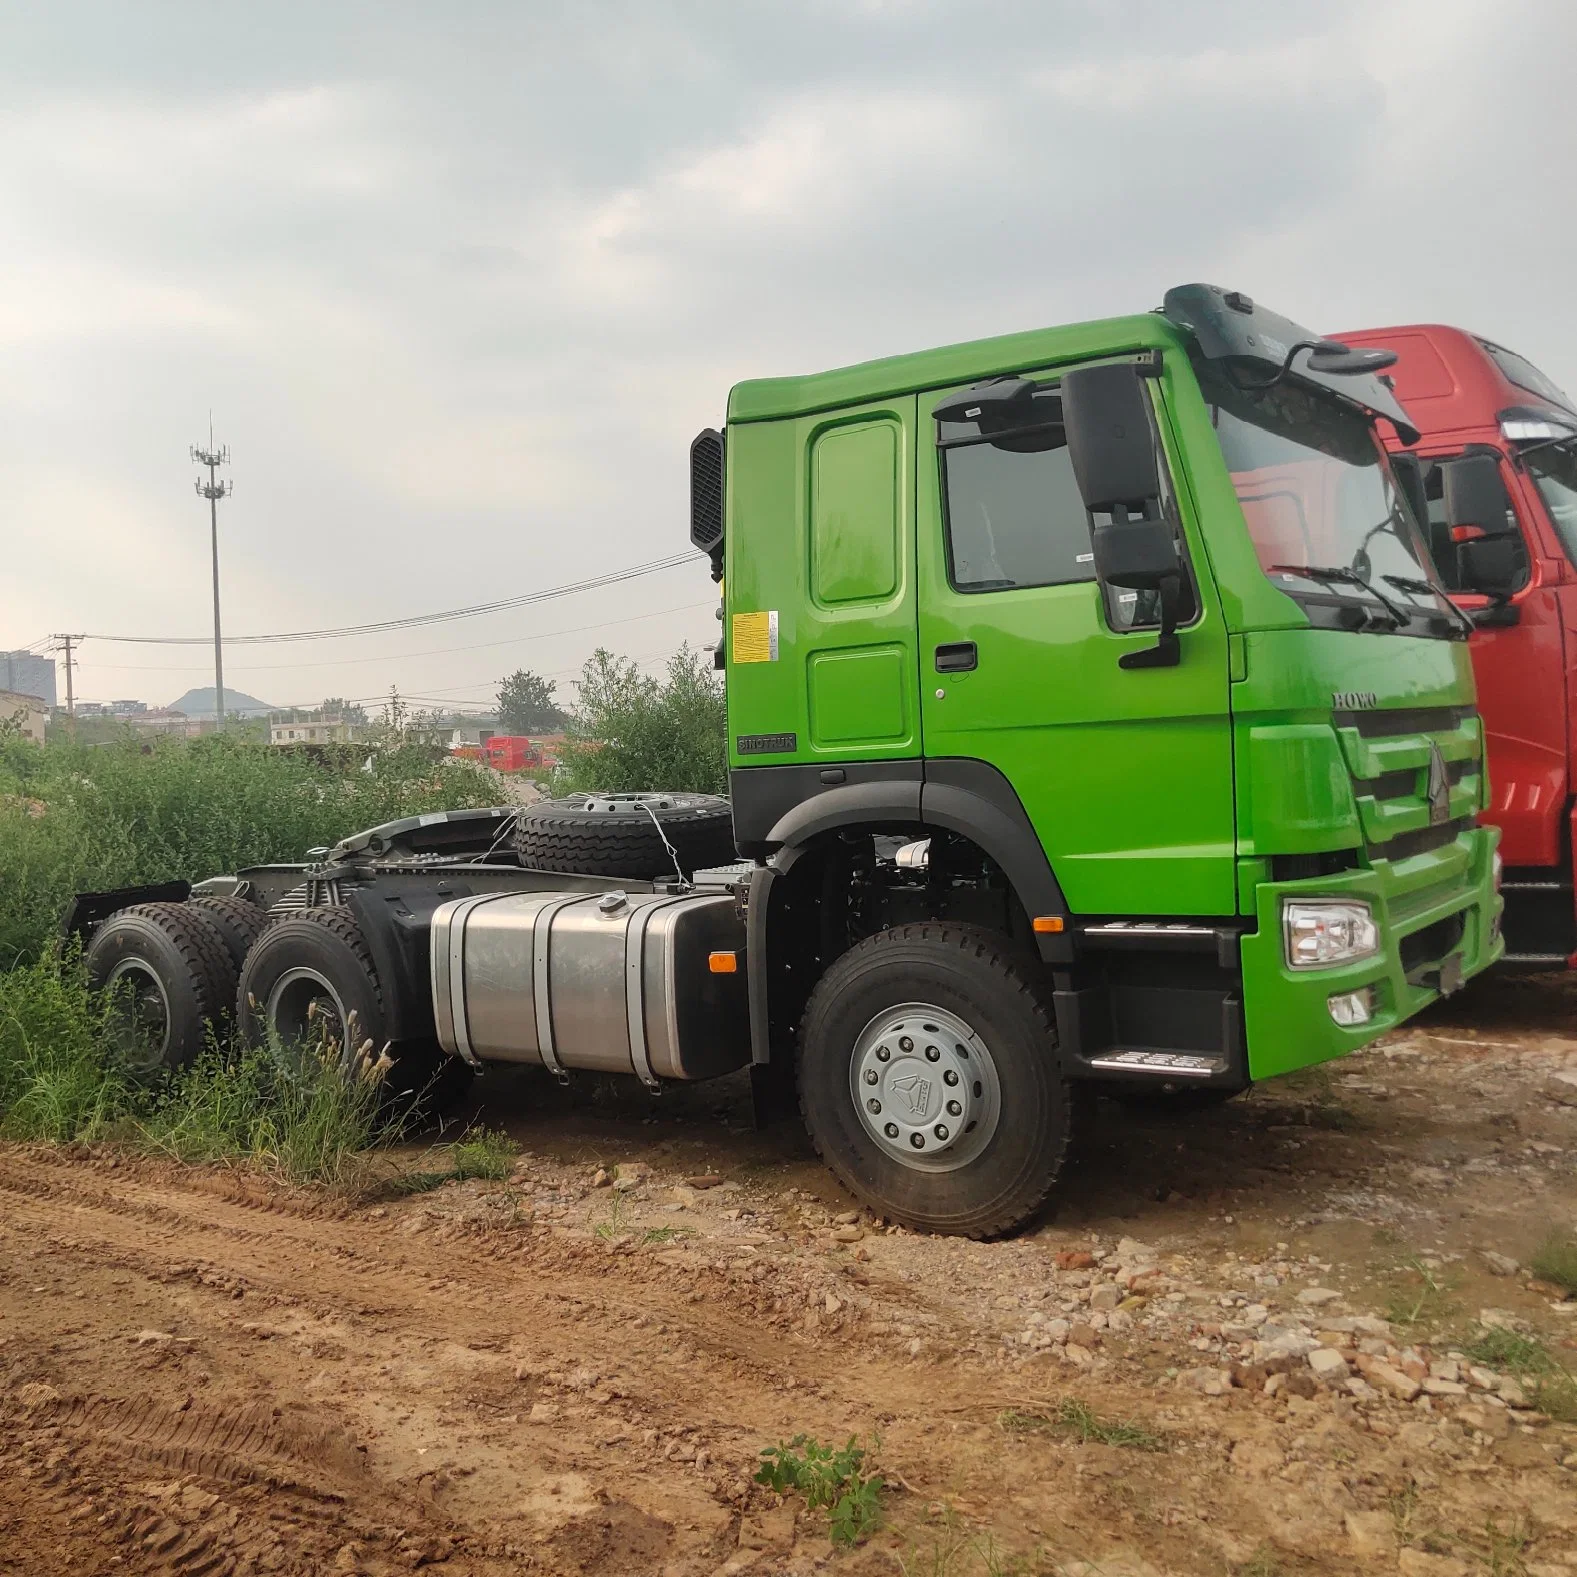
{"x": 723, "y": 963}
{"x": 1047, "y": 924}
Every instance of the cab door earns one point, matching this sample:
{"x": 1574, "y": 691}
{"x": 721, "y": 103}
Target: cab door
{"x": 1126, "y": 774}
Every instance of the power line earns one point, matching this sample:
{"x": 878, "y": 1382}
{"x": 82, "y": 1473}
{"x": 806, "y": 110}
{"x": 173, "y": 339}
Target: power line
{"x": 595, "y": 583}
{"x": 393, "y": 657}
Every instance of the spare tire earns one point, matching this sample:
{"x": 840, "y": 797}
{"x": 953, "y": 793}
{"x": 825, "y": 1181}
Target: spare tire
{"x": 618, "y": 834}
{"x": 171, "y": 971}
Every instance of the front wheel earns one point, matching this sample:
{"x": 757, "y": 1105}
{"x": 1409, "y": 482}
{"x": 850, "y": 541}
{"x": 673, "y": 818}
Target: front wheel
{"x": 930, "y": 1083}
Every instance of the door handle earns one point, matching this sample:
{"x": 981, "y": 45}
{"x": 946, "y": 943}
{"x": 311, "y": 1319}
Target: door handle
{"x": 957, "y": 657}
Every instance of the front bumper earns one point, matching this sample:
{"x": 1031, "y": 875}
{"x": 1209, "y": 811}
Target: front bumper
{"x": 1439, "y": 921}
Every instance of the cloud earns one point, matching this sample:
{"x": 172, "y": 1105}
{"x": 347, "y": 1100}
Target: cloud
{"x": 459, "y": 286}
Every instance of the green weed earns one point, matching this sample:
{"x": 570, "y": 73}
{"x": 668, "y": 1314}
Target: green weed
{"x": 832, "y": 1481}
{"x": 1262, "y": 1563}
{"x": 1556, "y": 1261}
{"x": 487, "y": 1154}
{"x": 1550, "y": 1386}
{"x": 1074, "y": 1421}
{"x": 1424, "y": 1299}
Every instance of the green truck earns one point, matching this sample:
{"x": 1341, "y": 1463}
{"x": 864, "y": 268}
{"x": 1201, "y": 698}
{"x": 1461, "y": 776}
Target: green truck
{"x": 1097, "y": 724}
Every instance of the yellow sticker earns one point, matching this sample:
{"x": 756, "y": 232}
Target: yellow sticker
{"x": 755, "y": 637}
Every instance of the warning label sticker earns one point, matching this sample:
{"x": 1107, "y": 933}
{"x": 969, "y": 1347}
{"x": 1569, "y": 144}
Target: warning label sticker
{"x": 755, "y": 637}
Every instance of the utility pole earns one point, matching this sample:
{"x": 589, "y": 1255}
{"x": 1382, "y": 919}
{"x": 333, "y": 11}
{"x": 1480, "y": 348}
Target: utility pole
{"x": 66, "y": 642}
{"x": 213, "y": 490}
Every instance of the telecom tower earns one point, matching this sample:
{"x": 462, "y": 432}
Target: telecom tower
{"x": 213, "y": 490}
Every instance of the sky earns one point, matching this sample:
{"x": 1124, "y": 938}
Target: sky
{"x": 459, "y": 284}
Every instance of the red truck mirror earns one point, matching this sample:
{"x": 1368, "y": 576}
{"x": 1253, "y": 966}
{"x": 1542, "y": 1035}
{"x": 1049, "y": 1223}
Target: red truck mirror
{"x": 1475, "y": 498}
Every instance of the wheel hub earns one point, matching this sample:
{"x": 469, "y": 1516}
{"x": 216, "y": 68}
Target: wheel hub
{"x": 925, "y": 1087}
{"x": 140, "y": 1026}
{"x": 304, "y": 1009}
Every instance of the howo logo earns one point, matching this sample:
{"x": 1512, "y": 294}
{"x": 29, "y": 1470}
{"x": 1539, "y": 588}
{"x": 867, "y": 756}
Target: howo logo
{"x": 916, "y": 1092}
{"x": 1354, "y": 700}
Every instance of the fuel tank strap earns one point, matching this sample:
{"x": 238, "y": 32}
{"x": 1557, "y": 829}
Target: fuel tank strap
{"x": 449, "y": 973}
{"x": 635, "y": 990}
{"x": 541, "y": 942}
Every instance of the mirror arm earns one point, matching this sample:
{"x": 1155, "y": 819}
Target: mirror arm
{"x": 1167, "y": 651}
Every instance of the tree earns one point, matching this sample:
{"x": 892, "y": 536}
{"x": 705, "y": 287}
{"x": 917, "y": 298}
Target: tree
{"x": 526, "y": 705}
{"x": 630, "y": 731}
{"x": 337, "y": 706}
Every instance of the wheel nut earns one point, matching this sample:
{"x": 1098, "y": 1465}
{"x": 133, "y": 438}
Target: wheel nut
{"x": 932, "y": 1054}
{"x": 873, "y": 1105}
{"x": 905, "y": 1044}
{"x": 870, "y": 1075}
{"x": 882, "y": 1054}
{"x": 955, "y": 1109}
{"x": 940, "y": 1131}
{"x": 917, "y": 1140}
{"x": 951, "y": 1076}
{"x": 891, "y": 1130}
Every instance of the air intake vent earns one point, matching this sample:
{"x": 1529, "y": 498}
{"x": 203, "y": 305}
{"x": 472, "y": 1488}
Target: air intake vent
{"x": 706, "y": 495}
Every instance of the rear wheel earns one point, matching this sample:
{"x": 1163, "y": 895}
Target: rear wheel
{"x": 930, "y": 1083}
{"x": 239, "y": 922}
{"x": 310, "y": 989}
{"x": 170, "y": 978}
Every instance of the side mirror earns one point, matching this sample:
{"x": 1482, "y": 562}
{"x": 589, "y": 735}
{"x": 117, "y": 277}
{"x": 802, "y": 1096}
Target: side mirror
{"x": 1107, "y": 420}
{"x": 1136, "y": 553}
{"x": 1475, "y": 497}
{"x": 1492, "y": 565}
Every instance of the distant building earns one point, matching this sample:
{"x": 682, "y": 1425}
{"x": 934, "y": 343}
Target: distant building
{"x": 28, "y": 711}
{"x": 21, "y": 673}
{"x": 330, "y": 731}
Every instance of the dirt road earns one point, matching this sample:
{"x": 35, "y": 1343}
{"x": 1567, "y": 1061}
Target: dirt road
{"x": 202, "y": 1373}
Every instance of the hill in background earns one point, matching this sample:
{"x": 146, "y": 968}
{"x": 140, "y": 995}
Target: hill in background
{"x": 200, "y": 703}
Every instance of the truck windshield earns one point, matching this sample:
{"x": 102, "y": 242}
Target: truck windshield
{"x": 1328, "y": 522}
{"x": 1554, "y": 472}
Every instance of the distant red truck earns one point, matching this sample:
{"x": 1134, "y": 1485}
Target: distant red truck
{"x": 515, "y": 752}
{"x": 1498, "y": 477}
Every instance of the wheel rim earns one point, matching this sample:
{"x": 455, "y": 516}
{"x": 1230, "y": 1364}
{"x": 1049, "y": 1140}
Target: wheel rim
{"x": 649, "y": 798}
{"x": 304, "y": 1010}
{"x": 925, "y": 1086}
{"x": 139, "y": 1023}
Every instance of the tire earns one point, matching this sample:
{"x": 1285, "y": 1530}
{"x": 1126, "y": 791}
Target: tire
{"x": 310, "y": 977}
{"x": 614, "y": 834}
{"x": 992, "y": 1174}
{"x": 179, "y": 975}
{"x": 239, "y": 922}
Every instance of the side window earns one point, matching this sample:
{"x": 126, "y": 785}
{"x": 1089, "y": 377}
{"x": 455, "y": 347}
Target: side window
{"x": 1013, "y": 515}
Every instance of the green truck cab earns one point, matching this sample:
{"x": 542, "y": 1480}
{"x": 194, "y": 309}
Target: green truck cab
{"x": 1097, "y": 723}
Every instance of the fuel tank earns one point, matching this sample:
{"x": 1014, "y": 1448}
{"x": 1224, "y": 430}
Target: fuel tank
{"x": 613, "y": 982}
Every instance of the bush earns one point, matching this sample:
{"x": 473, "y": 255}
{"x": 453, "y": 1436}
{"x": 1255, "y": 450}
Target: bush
{"x": 55, "y": 1079}
{"x": 80, "y": 818}
{"x": 630, "y": 731}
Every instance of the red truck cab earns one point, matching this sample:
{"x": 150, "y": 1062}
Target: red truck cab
{"x": 1485, "y": 410}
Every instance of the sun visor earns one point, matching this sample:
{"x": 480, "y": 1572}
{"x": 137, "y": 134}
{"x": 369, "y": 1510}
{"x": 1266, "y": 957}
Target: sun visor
{"x": 1228, "y": 326}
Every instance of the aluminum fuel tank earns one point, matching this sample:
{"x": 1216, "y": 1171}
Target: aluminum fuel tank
{"x": 613, "y": 983}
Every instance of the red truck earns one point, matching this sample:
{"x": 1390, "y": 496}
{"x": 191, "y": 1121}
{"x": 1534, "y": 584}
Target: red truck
{"x": 1496, "y": 475}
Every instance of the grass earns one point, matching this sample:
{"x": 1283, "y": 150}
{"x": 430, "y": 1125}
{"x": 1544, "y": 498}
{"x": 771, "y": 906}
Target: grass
{"x": 485, "y": 1154}
{"x": 1074, "y": 1421}
{"x": 84, "y": 818}
{"x": 953, "y": 1550}
{"x": 1262, "y": 1563}
{"x": 1425, "y": 1299}
{"x": 1548, "y": 1383}
{"x": 308, "y": 1121}
{"x": 834, "y": 1481}
{"x": 1556, "y": 1261}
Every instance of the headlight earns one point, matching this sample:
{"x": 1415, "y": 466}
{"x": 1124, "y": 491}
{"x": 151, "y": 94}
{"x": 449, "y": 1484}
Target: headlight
{"x": 1318, "y": 935}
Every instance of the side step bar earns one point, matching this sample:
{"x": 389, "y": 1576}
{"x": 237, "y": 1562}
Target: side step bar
{"x": 1164, "y": 1064}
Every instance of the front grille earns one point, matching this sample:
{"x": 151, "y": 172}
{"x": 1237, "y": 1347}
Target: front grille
{"x": 1299, "y": 867}
{"x": 1423, "y": 841}
{"x": 1431, "y": 944}
{"x": 1388, "y": 722}
{"x": 1399, "y": 785}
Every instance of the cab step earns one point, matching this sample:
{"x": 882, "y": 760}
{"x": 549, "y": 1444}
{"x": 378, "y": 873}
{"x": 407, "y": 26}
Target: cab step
{"x": 1163, "y": 1064}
